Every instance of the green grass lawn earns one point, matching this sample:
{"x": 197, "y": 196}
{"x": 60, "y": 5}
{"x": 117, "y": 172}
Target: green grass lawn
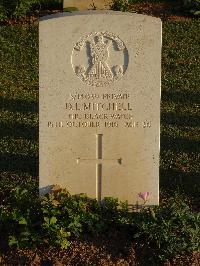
{"x": 19, "y": 103}
{"x": 180, "y": 115}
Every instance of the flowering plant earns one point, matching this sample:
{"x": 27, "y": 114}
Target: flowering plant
{"x": 144, "y": 196}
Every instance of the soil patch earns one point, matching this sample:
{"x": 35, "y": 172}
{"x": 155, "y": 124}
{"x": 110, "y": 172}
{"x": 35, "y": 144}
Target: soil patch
{"x": 107, "y": 250}
{"x": 165, "y": 11}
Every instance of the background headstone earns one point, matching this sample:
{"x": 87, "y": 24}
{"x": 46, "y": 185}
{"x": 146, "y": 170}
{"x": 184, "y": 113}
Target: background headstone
{"x": 100, "y": 104}
{"x": 87, "y": 4}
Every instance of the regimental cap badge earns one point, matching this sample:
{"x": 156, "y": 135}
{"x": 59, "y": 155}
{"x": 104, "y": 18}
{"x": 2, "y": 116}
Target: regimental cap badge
{"x": 100, "y": 58}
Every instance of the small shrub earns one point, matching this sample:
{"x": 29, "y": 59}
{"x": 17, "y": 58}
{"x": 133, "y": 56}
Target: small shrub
{"x": 3, "y": 14}
{"x": 21, "y": 8}
{"x": 51, "y": 4}
{"x": 16, "y": 8}
{"x": 119, "y": 5}
{"x": 54, "y": 219}
{"x": 170, "y": 230}
{"x": 192, "y": 7}
{"x": 19, "y": 218}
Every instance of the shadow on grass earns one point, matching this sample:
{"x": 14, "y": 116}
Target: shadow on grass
{"x": 175, "y": 179}
{"x": 179, "y": 144}
{"x": 19, "y": 105}
{"x": 19, "y": 130}
{"x": 181, "y": 96}
{"x": 20, "y": 163}
{"x": 188, "y": 182}
{"x": 179, "y": 119}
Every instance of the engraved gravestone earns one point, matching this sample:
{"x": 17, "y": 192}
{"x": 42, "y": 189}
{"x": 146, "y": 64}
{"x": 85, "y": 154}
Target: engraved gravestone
{"x": 100, "y": 104}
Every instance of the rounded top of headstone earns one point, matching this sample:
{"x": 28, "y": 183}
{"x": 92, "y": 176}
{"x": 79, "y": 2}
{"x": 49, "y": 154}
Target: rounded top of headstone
{"x": 97, "y": 12}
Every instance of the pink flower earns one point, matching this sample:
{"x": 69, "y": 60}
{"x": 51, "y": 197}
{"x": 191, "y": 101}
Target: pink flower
{"x": 144, "y": 195}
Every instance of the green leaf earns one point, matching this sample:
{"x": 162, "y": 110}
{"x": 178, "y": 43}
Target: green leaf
{"x": 23, "y": 221}
{"x": 70, "y": 9}
{"x": 25, "y": 234}
{"x": 12, "y": 241}
{"x": 46, "y": 219}
{"x": 65, "y": 244}
{"x": 53, "y": 220}
{"x": 153, "y": 214}
{"x": 196, "y": 13}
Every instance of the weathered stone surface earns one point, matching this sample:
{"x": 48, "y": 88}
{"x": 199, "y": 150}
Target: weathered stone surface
{"x": 100, "y": 104}
{"x": 87, "y": 4}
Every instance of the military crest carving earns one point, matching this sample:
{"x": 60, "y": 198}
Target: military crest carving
{"x": 103, "y": 57}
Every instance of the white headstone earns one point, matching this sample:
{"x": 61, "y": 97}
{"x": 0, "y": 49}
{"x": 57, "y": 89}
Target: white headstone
{"x": 100, "y": 104}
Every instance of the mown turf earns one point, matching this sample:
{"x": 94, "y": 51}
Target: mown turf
{"x": 180, "y": 129}
{"x": 19, "y": 103}
{"x": 180, "y": 116}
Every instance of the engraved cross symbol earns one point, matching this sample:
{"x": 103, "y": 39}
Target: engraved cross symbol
{"x": 99, "y": 162}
